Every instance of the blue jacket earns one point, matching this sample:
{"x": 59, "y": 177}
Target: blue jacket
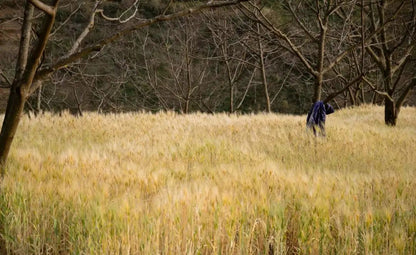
{"x": 317, "y": 114}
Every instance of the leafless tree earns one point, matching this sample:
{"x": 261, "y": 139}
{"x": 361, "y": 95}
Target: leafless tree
{"x": 321, "y": 39}
{"x": 391, "y": 49}
{"x": 227, "y": 43}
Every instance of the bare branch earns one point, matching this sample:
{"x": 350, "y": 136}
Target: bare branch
{"x": 66, "y": 20}
{"x": 247, "y": 89}
{"x": 406, "y": 91}
{"x": 379, "y": 61}
{"x": 9, "y": 83}
{"x": 387, "y": 96}
{"x": 34, "y": 61}
{"x": 318, "y": 16}
{"x": 167, "y": 7}
{"x": 41, "y": 74}
{"x": 402, "y": 60}
{"x": 333, "y": 95}
{"x": 267, "y": 23}
{"x": 399, "y": 75}
{"x": 335, "y": 8}
{"x": 43, "y": 7}
{"x": 86, "y": 31}
{"x": 24, "y": 41}
{"x": 300, "y": 23}
{"x": 353, "y": 47}
{"x": 120, "y": 18}
{"x": 283, "y": 83}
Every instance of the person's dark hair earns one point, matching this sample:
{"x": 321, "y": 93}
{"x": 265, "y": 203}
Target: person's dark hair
{"x": 329, "y": 109}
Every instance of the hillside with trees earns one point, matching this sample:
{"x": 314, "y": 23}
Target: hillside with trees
{"x": 251, "y": 58}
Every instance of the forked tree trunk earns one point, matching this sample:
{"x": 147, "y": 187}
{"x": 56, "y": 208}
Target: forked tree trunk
{"x": 27, "y": 64}
{"x": 16, "y": 99}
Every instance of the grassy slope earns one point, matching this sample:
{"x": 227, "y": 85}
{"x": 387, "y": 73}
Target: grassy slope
{"x": 177, "y": 184}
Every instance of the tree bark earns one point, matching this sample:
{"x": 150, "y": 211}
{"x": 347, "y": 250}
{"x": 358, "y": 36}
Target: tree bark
{"x": 263, "y": 71}
{"x": 320, "y": 73}
{"x": 38, "y": 108}
{"x": 390, "y": 112}
{"x": 188, "y": 72}
{"x": 14, "y": 111}
{"x": 229, "y": 78}
{"x": 16, "y": 101}
{"x": 25, "y": 73}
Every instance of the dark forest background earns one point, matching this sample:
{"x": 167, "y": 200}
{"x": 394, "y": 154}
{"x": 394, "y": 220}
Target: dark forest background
{"x": 224, "y": 60}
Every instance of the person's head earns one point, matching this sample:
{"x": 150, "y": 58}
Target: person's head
{"x": 328, "y": 108}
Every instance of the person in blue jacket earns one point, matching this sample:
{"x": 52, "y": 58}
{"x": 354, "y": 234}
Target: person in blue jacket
{"x": 317, "y": 116}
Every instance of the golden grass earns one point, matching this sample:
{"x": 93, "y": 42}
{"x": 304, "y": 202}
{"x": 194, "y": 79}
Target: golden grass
{"x": 211, "y": 184}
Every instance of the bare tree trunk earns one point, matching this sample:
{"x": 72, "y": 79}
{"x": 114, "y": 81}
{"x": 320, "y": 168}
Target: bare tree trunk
{"x": 229, "y": 78}
{"x": 224, "y": 49}
{"x": 319, "y": 78}
{"x": 11, "y": 120}
{"x": 15, "y": 105}
{"x": 79, "y": 108}
{"x": 188, "y": 69}
{"x": 189, "y": 83}
{"x": 362, "y": 49}
{"x": 362, "y": 93}
{"x": 374, "y": 99}
{"x": 390, "y": 59}
{"x": 16, "y": 102}
{"x": 25, "y": 73}
{"x": 263, "y": 70}
{"x": 321, "y": 59}
{"x": 390, "y": 112}
{"x": 351, "y": 95}
{"x": 39, "y": 100}
{"x": 231, "y": 98}
{"x": 317, "y": 89}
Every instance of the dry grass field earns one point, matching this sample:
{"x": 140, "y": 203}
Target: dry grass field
{"x": 211, "y": 184}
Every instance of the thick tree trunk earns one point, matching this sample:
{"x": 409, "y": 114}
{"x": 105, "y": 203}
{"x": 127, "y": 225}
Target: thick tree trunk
{"x": 25, "y": 73}
{"x": 11, "y": 120}
{"x": 390, "y": 113}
